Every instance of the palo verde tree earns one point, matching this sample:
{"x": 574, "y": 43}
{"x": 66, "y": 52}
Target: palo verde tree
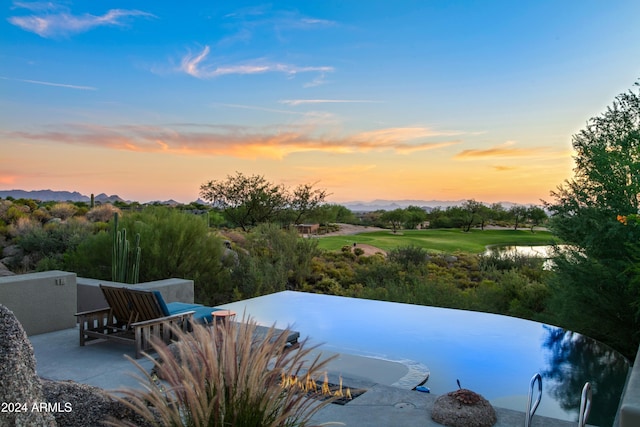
{"x": 304, "y": 201}
{"x": 594, "y": 289}
{"x": 247, "y": 201}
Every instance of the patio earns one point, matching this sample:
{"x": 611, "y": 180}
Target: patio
{"x": 59, "y": 357}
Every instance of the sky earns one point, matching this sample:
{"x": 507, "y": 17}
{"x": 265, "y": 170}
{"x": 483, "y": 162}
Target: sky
{"x": 396, "y": 100}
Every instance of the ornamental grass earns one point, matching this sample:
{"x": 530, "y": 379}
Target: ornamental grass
{"x": 225, "y": 375}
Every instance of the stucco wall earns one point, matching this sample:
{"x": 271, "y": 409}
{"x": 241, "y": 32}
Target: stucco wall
{"x": 42, "y": 302}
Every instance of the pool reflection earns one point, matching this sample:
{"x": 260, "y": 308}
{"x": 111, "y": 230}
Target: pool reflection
{"x": 493, "y": 355}
{"x": 574, "y": 360}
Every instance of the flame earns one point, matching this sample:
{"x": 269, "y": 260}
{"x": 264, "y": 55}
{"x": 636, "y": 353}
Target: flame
{"x": 309, "y": 385}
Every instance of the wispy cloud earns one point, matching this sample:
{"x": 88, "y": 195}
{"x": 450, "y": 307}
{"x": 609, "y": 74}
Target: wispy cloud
{"x": 296, "y": 102}
{"x": 503, "y": 168}
{"x": 503, "y": 150}
{"x": 63, "y": 23}
{"x": 240, "y": 142}
{"x": 63, "y": 85}
{"x": 36, "y": 6}
{"x": 246, "y": 22}
{"x": 196, "y": 65}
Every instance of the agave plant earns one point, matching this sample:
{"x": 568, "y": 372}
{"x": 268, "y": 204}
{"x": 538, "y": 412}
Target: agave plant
{"x": 225, "y": 375}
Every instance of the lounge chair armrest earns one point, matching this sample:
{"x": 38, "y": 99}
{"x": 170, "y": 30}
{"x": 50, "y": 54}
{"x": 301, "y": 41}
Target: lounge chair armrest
{"x": 93, "y": 312}
{"x": 186, "y": 314}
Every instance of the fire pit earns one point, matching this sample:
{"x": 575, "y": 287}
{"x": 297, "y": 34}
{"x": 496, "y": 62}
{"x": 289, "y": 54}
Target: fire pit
{"x": 338, "y": 393}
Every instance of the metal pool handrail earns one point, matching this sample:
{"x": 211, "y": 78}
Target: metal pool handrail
{"x": 532, "y": 410}
{"x": 585, "y": 404}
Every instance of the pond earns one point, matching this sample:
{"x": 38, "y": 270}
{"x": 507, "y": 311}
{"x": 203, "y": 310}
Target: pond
{"x": 543, "y": 251}
{"x": 493, "y": 355}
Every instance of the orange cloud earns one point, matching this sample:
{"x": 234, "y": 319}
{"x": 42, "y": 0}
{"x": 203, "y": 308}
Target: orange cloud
{"x": 240, "y": 142}
{"x": 503, "y": 150}
{"x": 502, "y": 168}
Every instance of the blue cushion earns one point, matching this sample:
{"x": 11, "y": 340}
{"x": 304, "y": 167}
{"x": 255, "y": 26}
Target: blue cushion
{"x": 181, "y": 307}
{"x": 163, "y": 305}
{"x": 202, "y": 313}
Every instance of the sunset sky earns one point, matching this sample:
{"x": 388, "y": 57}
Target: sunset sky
{"x": 373, "y": 99}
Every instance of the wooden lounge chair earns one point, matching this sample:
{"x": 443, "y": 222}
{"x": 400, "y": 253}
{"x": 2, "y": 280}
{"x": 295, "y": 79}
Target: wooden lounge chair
{"x": 133, "y": 317}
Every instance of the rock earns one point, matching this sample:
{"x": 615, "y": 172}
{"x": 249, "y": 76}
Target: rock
{"x": 12, "y": 251}
{"x": 4, "y": 271}
{"x": 463, "y": 408}
{"x": 84, "y": 405}
{"x": 20, "y": 384}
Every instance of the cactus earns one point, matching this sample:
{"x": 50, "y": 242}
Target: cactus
{"x": 92, "y": 204}
{"x": 125, "y": 261}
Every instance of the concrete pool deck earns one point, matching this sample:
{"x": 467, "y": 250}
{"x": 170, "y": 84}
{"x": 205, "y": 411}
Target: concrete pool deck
{"x": 59, "y": 357}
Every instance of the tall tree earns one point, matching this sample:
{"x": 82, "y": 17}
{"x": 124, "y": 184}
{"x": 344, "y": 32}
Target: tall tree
{"x": 519, "y": 214}
{"x": 536, "y": 216}
{"x": 395, "y": 217}
{"x": 471, "y": 210}
{"x": 246, "y": 200}
{"x": 593, "y": 287}
{"x": 415, "y": 216}
{"x": 305, "y": 200}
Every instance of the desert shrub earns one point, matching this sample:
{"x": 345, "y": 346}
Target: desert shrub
{"x": 63, "y": 210}
{"x": 92, "y": 257}
{"x": 24, "y": 226}
{"x": 51, "y": 262}
{"x": 51, "y": 240}
{"x": 41, "y": 214}
{"x": 173, "y": 243}
{"x": 102, "y": 213}
{"x": 408, "y": 256}
{"x": 11, "y": 213}
{"x": 223, "y": 376}
{"x": 177, "y": 244}
{"x": 507, "y": 262}
{"x": 273, "y": 259}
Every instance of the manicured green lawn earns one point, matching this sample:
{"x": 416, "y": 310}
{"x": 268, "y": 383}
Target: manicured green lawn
{"x": 444, "y": 240}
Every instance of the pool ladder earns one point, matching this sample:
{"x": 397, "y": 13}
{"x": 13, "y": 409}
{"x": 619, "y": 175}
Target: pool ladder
{"x": 585, "y": 402}
{"x": 531, "y": 409}
{"x": 585, "y": 405}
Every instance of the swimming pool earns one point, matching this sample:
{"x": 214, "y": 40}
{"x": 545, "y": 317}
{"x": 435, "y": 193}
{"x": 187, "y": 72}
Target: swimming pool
{"x": 493, "y": 355}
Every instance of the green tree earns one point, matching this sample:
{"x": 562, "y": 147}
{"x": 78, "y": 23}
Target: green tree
{"x": 536, "y": 216}
{"x": 518, "y": 214}
{"x": 246, "y": 200}
{"x": 471, "y": 209}
{"x": 304, "y": 201}
{"x": 415, "y": 216}
{"x": 593, "y": 286}
{"x": 395, "y": 217}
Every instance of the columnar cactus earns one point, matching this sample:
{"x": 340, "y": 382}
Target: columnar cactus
{"x": 125, "y": 261}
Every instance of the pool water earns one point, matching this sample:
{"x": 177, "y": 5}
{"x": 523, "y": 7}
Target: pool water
{"x": 491, "y": 354}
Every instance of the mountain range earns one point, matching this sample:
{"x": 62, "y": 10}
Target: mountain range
{"x": 356, "y": 206}
{"x": 57, "y": 196}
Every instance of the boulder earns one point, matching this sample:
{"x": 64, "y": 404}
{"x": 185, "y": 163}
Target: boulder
{"x": 4, "y": 271}
{"x": 84, "y": 405}
{"x": 20, "y": 384}
{"x": 463, "y": 408}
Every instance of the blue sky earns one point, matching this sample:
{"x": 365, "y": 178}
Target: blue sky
{"x": 369, "y": 100}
